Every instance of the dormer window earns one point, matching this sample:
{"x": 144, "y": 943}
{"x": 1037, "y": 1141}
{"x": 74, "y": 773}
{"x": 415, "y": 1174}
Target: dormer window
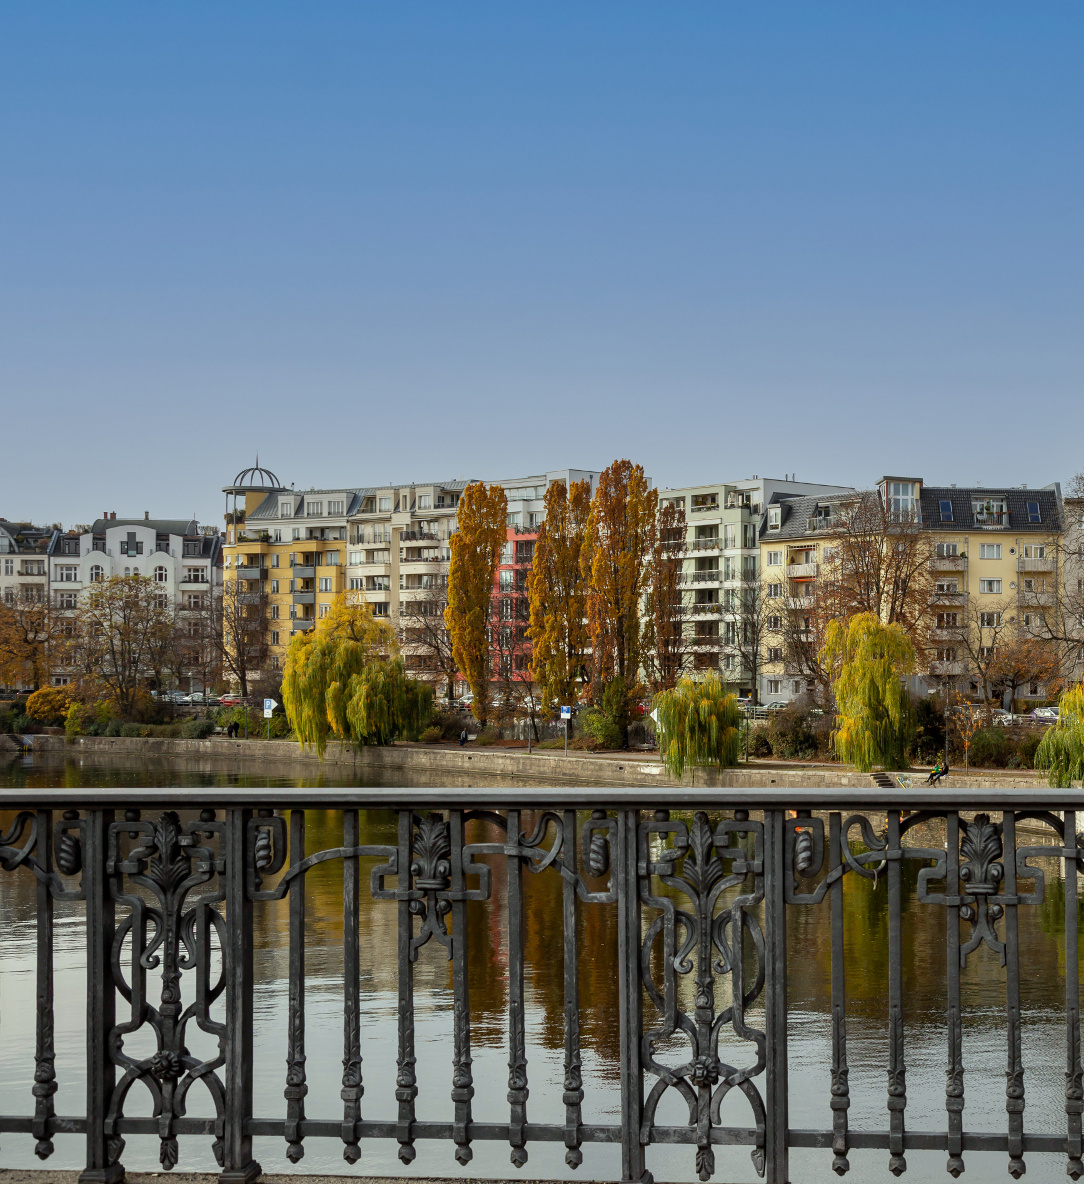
{"x": 314, "y": 509}
{"x": 899, "y": 498}
{"x": 1034, "y": 517}
{"x": 286, "y": 509}
{"x": 945, "y": 506}
{"x": 774, "y": 516}
{"x": 989, "y": 511}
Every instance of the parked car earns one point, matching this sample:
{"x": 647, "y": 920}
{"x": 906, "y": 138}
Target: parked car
{"x": 776, "y": 706}
{"x": 1046, "y": 714}
{"x": 230, "y": 701}
{"x": 196, "y": 697}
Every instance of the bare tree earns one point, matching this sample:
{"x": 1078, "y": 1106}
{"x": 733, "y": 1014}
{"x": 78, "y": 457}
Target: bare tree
{"x": 979, "y": 631}
{"x": 666, "y": 644}
{"x": 424, "y": 638}
{"x": 233, "y": 625}
{"x": 747, "y": 640}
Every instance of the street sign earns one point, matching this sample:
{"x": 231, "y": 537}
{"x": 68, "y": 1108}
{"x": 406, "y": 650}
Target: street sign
{"x": 566, "y": 712}
{"x": 654, "y": 714}
{"x": 269, "y": 706}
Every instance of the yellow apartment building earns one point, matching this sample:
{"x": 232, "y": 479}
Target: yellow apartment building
{"x": 994, "y": 566}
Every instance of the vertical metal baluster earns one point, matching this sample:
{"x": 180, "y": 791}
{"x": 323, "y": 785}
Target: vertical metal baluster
{"x": 296, "y": 1088}
{"x": 102, "y": 1152}
{"x": 406, "y": 1087}
{"x": 44, "y": 1049}
{"x": 352, "y": 1089}
{"x": 1014, "y": 1071}
{"x": 626, "y": 879}
{"x": 1074, "y": 1072}
{"x": 841, "y": 1099}
{"x": 954, "y": 1074}
{"x": 573, "y": 1095}
{"x": 775, "y": 1000}
{"x": 897, "y": 1065}
{"x": 239, "y": 1167}
{"x": 517, "y": 1037}
{"x": 462, "y": 1078}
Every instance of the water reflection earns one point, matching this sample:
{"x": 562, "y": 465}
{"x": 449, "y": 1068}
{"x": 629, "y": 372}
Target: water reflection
{"x": 865, "y": 923}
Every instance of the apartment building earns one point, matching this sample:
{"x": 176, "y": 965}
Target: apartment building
{"x": 993, "y": 557}
{"x": 24, "y": 561}
{"x": 721, "y": 555}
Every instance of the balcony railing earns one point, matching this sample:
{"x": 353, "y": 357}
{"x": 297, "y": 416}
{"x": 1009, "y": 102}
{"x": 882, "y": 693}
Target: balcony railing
{"x": 797, "y": 571}
{"x": 1035, "y": 564}
{"x": 702, "y": 545}
{"x": 702, "y": 577}
{"x": 170, "y": 888}
{"x": 1038, "y": 599}
{"x": 947, "y": 669}
{"x": 949, "y": 563}
{"x": 303, "y": 571}
{"x": 245, "y": 572}
{"x": 302, "y": 624}
{"x": 304, "y": 597}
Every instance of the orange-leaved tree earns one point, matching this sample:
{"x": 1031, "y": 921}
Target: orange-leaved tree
{"x": 28, "y": 632}
{"x": 557, "y": 591}
{"x": 481, "y": 530}
{"x": 620, "y": 537}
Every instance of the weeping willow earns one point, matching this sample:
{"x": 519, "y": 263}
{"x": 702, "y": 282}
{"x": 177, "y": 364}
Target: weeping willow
{"x": 1061, "y": 750}
{"x": 698, "y": 724}
{"x": 874, "y": 723}
{"x": 344, "y": 682}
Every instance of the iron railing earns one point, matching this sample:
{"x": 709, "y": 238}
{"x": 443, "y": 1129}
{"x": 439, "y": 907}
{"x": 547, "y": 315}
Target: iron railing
{"x": 170, "y": 882}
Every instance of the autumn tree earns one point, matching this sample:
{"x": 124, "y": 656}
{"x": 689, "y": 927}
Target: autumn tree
{"x": 699, "y": 724}
{"x": 424, "y": 637}
{"x": 871, "y": 661}
{"x": 233, "y": 623}
{"x": 556, "y": 591}
{"x": 29, "y": 629}
{"x": 614, "y": 560}
{"x": 120, "y": 623}
{"x": 1061, "y": 750}
{"x": 481, "y": 530}
{"x": 985, "y": 627}
{"x": 666, "y": 644}
{"x": 1024, "y": 660}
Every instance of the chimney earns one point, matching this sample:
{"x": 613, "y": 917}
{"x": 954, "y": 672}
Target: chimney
{"x": 113, "y": 515}
{"x": 105, "y": 515}
{"x": 146, "y": 515}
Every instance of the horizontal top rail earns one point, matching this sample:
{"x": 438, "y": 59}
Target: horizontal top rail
{"x": 647, "y": 798}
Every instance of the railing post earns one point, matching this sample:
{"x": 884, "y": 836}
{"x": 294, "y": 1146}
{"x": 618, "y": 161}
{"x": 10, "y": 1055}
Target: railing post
{"x": 238, "y": 1166}
{"x": 102, "y": 1152}
{"x": 630, "y": 996}
{"x": 775, "y": 1000}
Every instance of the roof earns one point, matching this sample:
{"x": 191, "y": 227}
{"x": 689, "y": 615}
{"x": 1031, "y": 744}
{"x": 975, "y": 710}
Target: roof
{"x": 1016, "y": 503}
{"x": 795, "y": 513}
{"x": 269, "y": 507}
{"x": 34, "y": 538}
{"x": 181, "y": 526}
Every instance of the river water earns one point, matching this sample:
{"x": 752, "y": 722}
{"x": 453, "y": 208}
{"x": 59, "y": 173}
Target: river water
{"x": 865, "y": 913}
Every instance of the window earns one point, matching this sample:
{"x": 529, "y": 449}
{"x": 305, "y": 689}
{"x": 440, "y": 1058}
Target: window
{"x": 506, "y": 579}
{"x": 797, "y": 687}
{"x": 380, "y": 609}
{"x": 705, "y": 501}
{"x": 9, "y": 567}
{"x": 65, "y": 600}
{"x": 277, "y": 533}
{"x": 384, "y": 504}
{"x": 947, "y": 550}
{"x": 356, "y": 557}
{"x": 325, "y": 583}
{"x": 989, "y": 620}
{"x": 987, "y": 651}
{"x": 314, "y": 509}
{"x": 514, "y": 519}
{"x": 96, "y": 574}
{"x": 161, "y": 575}
{"x": 775, "y": 559}
{"x": 536, "y": 518}
{"x": 946, "y": 654}
{"x": 947, "y": 587}
{"x": 425, "y": 501}
{"x": 286, "y": 509}
{"x": 775, "y": 653}
{"x": 67, "y": 575}
{"x": 60, "y": 680}
{"x": 774, "y": 516}
{"x": 331, "y": 558}
{"x": 945, "y": 506}
{"x": 1029, "y": 619}
{"x": 1035, "y": 585}
{"x": 275, "y": 559}
{"x": 989, "y": 511}
{"x": 274, "y": 637}
{"x": 356, "y": 583}
{"x": 295, "y": 532}
{"x": 334, "y": 509}
{"x": 950, "y": 620}
{"x": 1033, "y": 513}
{"x": 1034, "y": 550}
{"x": 748, "y": 536}
{"x": 325, "y": 609}
{"x": 274, "y": 585}
{"x": 899, "y": 497}
{"x": 989, "y": 550}
{"x": 775, "y": 686}
{"x": 195, "y": 575}
{"x": 274, "y": 612}
{"x": 730, "y": 535}
{"x": 990, "y": 587}
{"x": 775, "y": 623}
{"x": 775, "y": 591}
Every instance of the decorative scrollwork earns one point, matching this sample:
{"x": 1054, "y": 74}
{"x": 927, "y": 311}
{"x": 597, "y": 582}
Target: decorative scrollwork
{"x": 707, "y": 939}
{"x": 172, "y": 932}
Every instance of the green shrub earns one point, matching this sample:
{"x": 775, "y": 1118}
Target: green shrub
{"x": 760, "y": 743}
{"x": 489, "y": 735}
{"x": 197, "y": 729}
{"x": 133, "y": 729}
{"x": 432, "y": 734}
{"x": 929, "y": 740}
{"x": 991, "y": 748}
{"x": 7, "y": 722}
{"x": 1028, "y": 746}
{"x": 280, "y": 727}
{"x": 790, "y": 735}
{"x": 597, "y": 726}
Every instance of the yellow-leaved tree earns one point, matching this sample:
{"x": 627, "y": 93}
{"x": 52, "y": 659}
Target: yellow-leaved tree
{"x": 481, "y": 530}
{"x": 870, "y": 662}
{"x": 557, "y": 592}
{"x": 345, "y": 680}
{"x": 619, "y": 539}
{"x": 699, "y": 724}
{"x": 1061, "y": 750}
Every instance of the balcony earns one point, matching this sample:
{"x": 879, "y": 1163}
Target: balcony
{"x": 304, "y": 597}
{"x": 302, "y": 624}
{"x": 701, "y": 577}
{"x": 303, "y": 571}
{"x": 1036, "y": 599}
{"x": 798, "y": 603}
{"x": 946, "y": 632}
{"x": 801, "y": 571}
{"x": 948, "y": 597}
{"x": 246, "y": 572}
{"x": 949, "y": 563}
{"x": 947, "y": 669}
{"x": 700, "y": 610}
{"x": 701, "y": 545}
{"x": 822, "y": 524}
{"x": 712, "y": 506}
{"x": 1035, "y": 565}
{"x": 202, "y": 581}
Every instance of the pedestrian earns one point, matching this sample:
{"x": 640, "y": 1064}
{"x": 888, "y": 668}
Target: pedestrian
{"x": 462, "y": 737}
{"x": 941, "y": 771}
{"x": 935, "y": 772}
{"x": 232, "y": 729}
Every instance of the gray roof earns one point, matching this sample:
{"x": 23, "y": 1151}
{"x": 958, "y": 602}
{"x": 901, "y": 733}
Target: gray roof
{"x": 795, "y": 513}
{"x": 1016, "y": 503}
{"x": 269, "y": 507}
{"x": 181, "y": 526}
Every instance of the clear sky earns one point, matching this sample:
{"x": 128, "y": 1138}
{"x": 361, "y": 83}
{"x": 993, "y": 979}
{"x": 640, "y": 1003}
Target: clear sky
{"x": 413, "y": 240}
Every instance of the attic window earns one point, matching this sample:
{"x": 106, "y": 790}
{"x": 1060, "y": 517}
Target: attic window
{"x": 1033, "y": 513}
{"x": 946, "y": 509}
{"x": 773, "y": 517}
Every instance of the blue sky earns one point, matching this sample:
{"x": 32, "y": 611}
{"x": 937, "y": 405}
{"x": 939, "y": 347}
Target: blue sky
{"x": 405, "y": 241}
